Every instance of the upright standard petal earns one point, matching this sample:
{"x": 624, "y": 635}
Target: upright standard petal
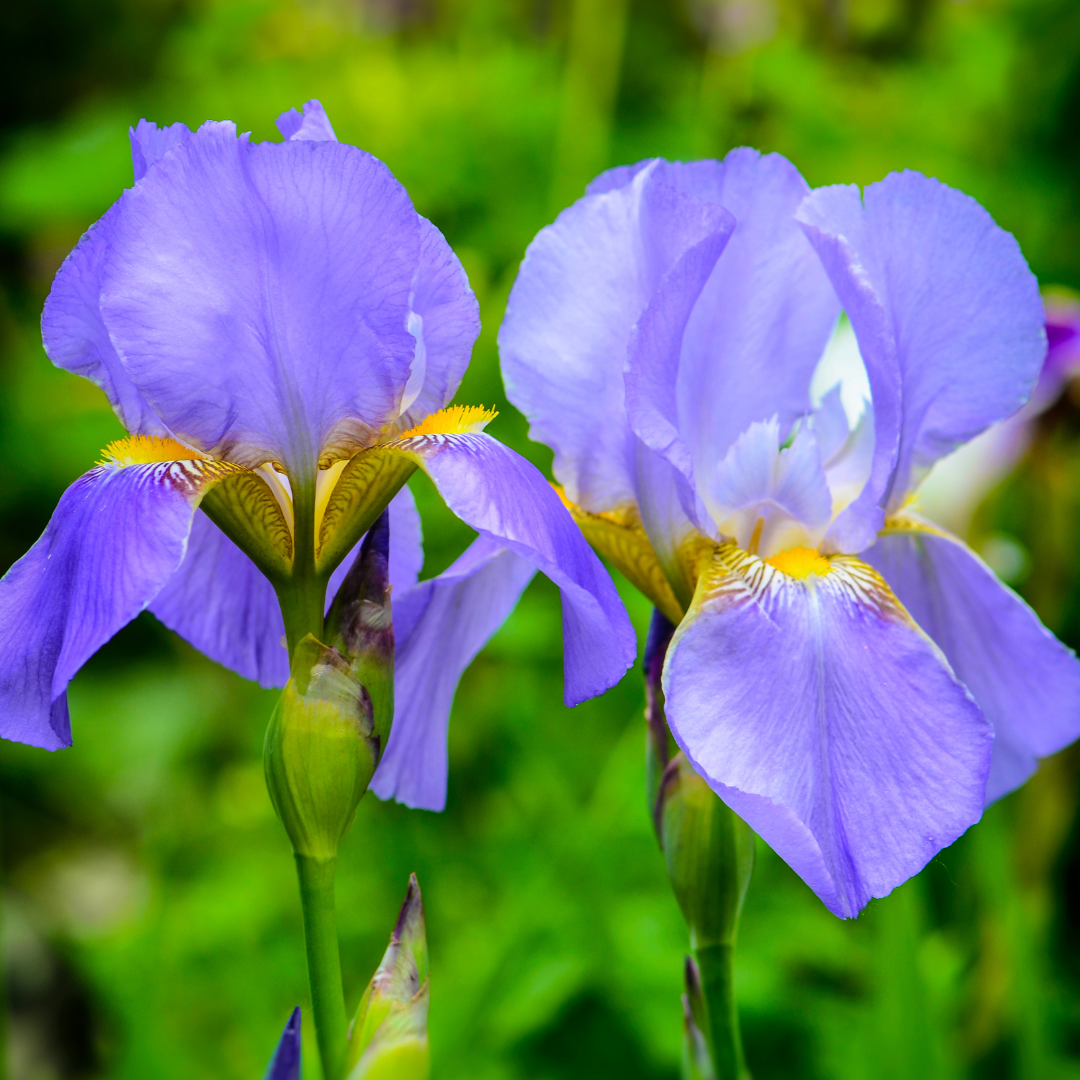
{"x": 947, "y": 313}
{"x": 440, "y": 625}
{"x": 822, "y": 715}
{"x": 75, "y": 336}
{"x": 712, "y": 357}
{"x": 258, "y": 295}
{"x": 583, "y": 284}
{"x": 444, "y": 320}
{"x": 117, "y": 535}
{"x": 504, "y": 497}
{"x": 1026, "y": 682}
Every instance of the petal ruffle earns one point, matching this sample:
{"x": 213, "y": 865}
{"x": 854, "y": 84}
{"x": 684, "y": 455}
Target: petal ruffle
{"x": 712, "y": 356}
{"x": 822, "y": 715}
{"x": 75, "y": 336}
{"x": 583, "y": 284}
{"x": 440, "y": 625}
{"x": 220, "y": 603}
{"x": 258, "y": 295}
{"x": 948, "y": 318}
{"x": 149, "y": 143}
{"x": 504, "y": 497}
{"x": 310, "y": 125}
{"x": 1026, "y": 682}
{"x": 115, "y": 537}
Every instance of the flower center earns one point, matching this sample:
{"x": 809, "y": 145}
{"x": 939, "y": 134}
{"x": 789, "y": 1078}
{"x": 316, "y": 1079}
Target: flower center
{"x": 146, "y": 449}
{"x": 800, "y": 562}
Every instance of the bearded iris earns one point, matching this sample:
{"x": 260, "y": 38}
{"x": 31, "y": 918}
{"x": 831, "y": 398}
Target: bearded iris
{"x": 279, "y": 331}
{"x": 851, "y": 680}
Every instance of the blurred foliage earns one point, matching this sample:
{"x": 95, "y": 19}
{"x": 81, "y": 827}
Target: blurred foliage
{"x": 151, "y": 922}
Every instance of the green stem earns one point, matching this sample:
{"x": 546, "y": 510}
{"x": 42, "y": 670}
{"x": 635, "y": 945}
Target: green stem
{"x": 303, "y": 595}
{"x": 324, "y": 961}
{"x": 717, "y": 966}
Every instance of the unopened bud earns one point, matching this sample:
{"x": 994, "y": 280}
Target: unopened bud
{"x": 388, "y": 1039}
{"x": 657, "y": 739}
{"x": 709, "y": 852}
{"x": 320, "y": 750}
{"x": 285, "y": 1064}
{"x": 361, "y": 624}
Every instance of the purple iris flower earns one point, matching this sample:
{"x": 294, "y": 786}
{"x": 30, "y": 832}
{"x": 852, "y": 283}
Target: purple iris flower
{"x": 278, "y": 329}
{"x": 851, "y": 680}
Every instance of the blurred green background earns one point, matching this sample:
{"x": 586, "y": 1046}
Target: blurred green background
{"x": 150, "y": 920}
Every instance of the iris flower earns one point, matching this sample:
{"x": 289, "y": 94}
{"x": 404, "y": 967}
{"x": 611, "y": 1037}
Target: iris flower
{"x": 279, "y": 332}
{"x": 852, "y": 681}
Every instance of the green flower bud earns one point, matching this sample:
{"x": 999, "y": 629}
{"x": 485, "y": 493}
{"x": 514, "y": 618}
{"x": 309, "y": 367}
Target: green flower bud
{"x": 388, "y": 1039}
{"x": 709, "y": 852}
{"x": 321, "y": 750}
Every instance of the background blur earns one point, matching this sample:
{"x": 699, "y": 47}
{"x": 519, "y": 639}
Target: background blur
{"x": 150, "y": 918}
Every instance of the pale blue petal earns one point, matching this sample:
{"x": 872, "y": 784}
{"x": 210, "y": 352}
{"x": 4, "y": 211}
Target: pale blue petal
{"x": 746, "y": 347}
{"x": 1026, "y": 682}
{"x": 783, "y": 488}
{"x": 439, "y": 627}
{"x": 584, "y": 283}
{"x": 504, "y": 497}
{"x": 948, "y": 318}
{"x": 829, "y": 722}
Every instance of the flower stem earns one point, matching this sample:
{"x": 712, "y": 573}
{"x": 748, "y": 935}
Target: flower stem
{"x": 716, "y": 964}
{"x": 303, "y": 595}
{"x": 324, "y": 961}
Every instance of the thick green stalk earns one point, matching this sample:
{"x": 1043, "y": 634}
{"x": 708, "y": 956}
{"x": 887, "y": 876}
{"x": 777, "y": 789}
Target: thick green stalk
{"x": 717, "y": 966}
{"x": 324, "y": 961}
{"x": 303, "y": 595}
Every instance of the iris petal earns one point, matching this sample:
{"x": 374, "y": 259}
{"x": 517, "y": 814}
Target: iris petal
{"x": 821, "y": 714}
{"x": 710, "y": 358}
{"x": 440, "y": 625}
{"x": 948, "y": 319}
{"x": 504, "y": 497}
{"x": 115, "y": 538}
{"x": 209, "y": 288}
{"x": 583, "y": 285}
{"x": 75, "y": 336}
{"x": 1026, "y": 682}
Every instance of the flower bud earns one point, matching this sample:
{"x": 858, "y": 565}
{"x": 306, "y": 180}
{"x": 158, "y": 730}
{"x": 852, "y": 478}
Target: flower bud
{"x": 285, "y": 1064}
{"x": 361, "y": 625}
{"x": 709, "y": 852}
{"x": 388, "y": 1039}
{"x": 320, "y": 751}
{"x": 657, "y": 738}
